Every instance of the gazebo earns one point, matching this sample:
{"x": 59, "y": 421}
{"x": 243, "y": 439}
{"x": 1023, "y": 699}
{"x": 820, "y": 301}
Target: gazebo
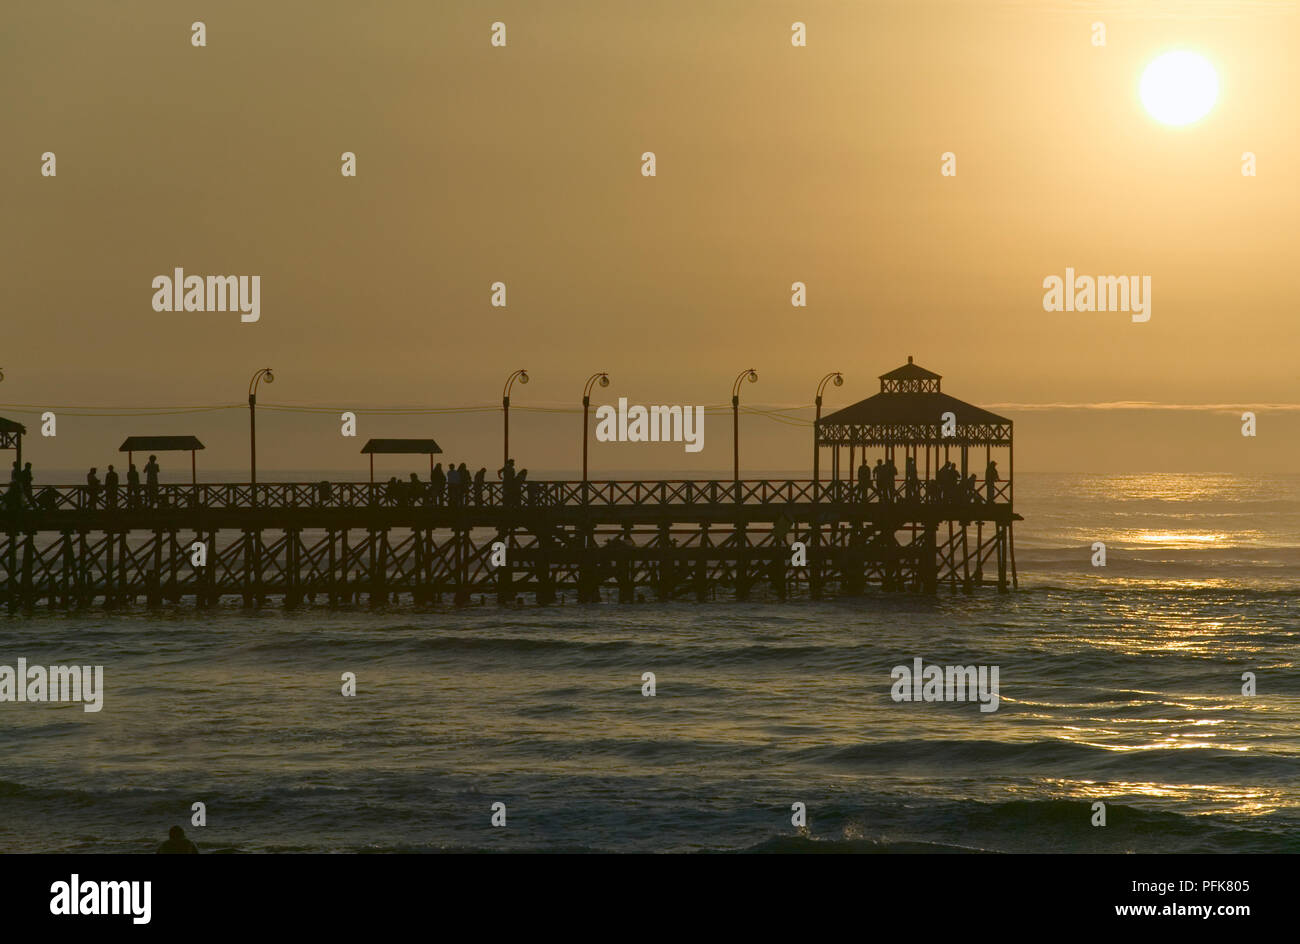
{"x": 190, "y": 444}
{"x": 11, "y": 437}
{"x": 908, "y": 414}
{"x": 400, "y": 447}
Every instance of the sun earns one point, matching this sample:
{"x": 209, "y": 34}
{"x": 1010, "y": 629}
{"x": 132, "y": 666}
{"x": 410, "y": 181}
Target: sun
{"x": 1179, "y": 88}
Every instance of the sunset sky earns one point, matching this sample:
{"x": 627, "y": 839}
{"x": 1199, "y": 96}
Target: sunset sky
{"x": 775, "y": 164}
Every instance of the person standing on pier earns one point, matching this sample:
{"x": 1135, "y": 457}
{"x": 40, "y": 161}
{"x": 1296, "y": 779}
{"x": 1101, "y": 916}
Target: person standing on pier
{"x": 132, "y": 486}
{"x": 991, "y": 480}
{"x": 27, "y": 486}
{"x": 479, "y": 478}
{"x": 438, "y": 479}
{"x": 14, "y": 498}
{"x": 110, "y": 488}
{"x": 92, "y": 488}
{"x": 507, "y": 475}
{"x": 910, "y": 480}
{"x": 887, "y": 476}
{"x": 151, "y": 480}
{"x": 453, "y": 484}
{"x": 864, "y": 481}
{"x": 464, "y": 476}
{"x": 942, "y": 483}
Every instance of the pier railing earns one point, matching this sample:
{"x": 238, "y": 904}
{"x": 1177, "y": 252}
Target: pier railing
{"x": 538, "y": 494}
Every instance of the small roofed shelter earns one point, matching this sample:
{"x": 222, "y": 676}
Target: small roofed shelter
{"x": 911, "y": 414}
{"x": 11, "y": 437}
{"x": 400, "y": 447}
{"x": 133, "y": 444}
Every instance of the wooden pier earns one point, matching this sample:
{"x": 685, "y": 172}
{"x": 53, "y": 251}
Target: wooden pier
{"x": 300, "y": 543}
{"x": 917, "y": 528}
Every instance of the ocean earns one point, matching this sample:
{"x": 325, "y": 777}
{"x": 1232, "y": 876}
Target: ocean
{"x": 1119, "y": 684}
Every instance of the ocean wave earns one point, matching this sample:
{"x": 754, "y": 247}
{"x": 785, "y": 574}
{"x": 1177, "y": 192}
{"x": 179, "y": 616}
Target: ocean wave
{"x": 1037, "y": 759}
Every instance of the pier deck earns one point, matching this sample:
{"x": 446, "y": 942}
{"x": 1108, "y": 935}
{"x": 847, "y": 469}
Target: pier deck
{"x": 338, "y": 542}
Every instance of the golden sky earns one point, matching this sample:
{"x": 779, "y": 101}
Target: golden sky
{"x": 775, "y": 164}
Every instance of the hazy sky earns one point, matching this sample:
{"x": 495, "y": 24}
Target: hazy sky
{"x": 523, "y": 164}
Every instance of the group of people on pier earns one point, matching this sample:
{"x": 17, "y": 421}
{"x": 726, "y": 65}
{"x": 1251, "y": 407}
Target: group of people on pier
{"x": 107, "y": 494}
{"x": 878, "y": 483}
{"x": 457, "y": 486}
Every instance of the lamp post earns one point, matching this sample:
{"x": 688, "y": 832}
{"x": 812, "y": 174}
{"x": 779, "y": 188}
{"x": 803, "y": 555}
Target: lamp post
{"x": 522, "y": 376}
{"x": 752, "y": 376}
{"x": 264, "y": 373}
{"x": 839, "y": 382}
{"x": 603, "y": 377}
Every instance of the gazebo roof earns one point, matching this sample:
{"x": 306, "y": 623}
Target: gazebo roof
{"x": 160, "y": 444}
{"x": 910, "y": 371}
{"x": 401, "y": 447}
{"x": 11, "y": 426}
{"x": 909, "y": 409}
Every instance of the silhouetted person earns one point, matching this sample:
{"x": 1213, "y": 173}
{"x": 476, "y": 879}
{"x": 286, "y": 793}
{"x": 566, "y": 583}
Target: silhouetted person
{"x": 439, "y": 480}
{"x": 132, "y": 486}
{"x": 864, "y": 480}
{"x": 911, "y": 482}
{"x": 878, "y": 474}
{"x": 972, "y": 489}
{"x": 464, "y": 483}
{"x": 110, "y": 487}
{"x": 991, "y": 480}
{"x": 887, "y": 476}
{"x": 177, "y": 844}
{"x": 27, "y": 484}
{"x": 479, "y": 478}
{"x": 14, "y": 496}
{"x": 413, "y": 488}
{"x": 394, "y": 491}
{"x": 151, "y": 480}
{"x": 92, "y": 488}
{"x": 324, "y": 493}
{"x": 507, "y": 476}
{"x": 453, "y": 484}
